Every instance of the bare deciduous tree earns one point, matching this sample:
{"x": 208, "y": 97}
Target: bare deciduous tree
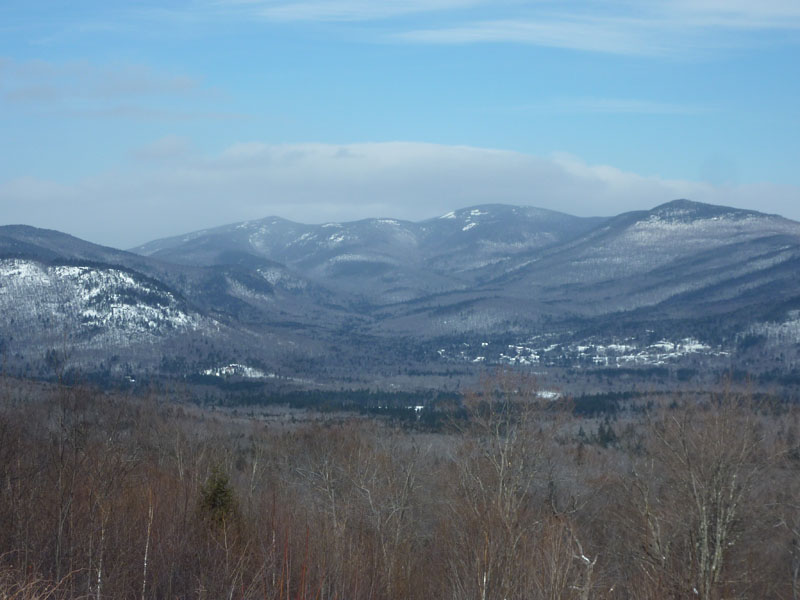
{"x": 690, "y": 494}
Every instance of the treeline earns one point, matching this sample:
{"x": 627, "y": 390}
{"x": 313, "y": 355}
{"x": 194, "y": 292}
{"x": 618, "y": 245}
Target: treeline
{"x": 111, "y": 497}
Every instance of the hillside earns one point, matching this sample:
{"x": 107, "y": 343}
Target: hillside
{"x": 378, "y": 298}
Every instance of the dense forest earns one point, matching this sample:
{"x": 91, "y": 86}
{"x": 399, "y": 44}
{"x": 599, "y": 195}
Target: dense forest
{"x": 512, "y": 496}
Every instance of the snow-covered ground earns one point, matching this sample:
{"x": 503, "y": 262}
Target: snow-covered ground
{"x": 541, "y": 351}
{"x": 237, "y": 370}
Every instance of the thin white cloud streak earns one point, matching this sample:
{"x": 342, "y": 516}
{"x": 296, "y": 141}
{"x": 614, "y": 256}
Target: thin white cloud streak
{"x": 623, "y": 106}
{"x": 626, "y": 27}
{"x": 181, "y": 191}
{"x": 345, "y": 10}
{"x": 746, "y": 14}
{"x": 169, "y": 147}
{"x": 52, "y": 82}
{"x": 631, "y": 27}
{"x": 119, "y": 91}
{"x": 145, "y": 113}
{"x": 593, "y": 34}
{"x": 740, "y": 14}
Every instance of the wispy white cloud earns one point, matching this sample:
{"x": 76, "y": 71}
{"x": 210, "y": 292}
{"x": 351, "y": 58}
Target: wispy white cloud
{"x": 658, "y": 27}
{"x": 741, "y": 14}
{"x": 695, "y": 13}
{"x": 85, "y": 89}
{"x": 169, "y": 147}
{"x": 177, "y": 189}
{"x": 623, "y": 106}
{"x": 145, "y": 113}
{"x": 633, "y": 27}
{"x": 51, "y": 81}
{"x": 345, "y": 10}
{"x": 594, "y": 34}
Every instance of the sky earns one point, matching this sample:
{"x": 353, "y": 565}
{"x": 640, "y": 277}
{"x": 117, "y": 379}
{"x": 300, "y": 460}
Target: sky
{"x": 126, "y": 121}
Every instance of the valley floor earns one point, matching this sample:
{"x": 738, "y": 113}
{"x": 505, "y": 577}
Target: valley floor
{"x": 505, "y": 494}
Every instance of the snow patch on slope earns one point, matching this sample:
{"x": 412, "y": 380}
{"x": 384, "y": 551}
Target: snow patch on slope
{"x": 96, "y": 306}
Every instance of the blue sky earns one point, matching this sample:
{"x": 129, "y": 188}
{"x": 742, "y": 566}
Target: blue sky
{"x": 126, "y": 121}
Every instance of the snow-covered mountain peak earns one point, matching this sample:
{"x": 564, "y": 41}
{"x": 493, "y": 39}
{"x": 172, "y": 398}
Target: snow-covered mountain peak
{"x": 687, "y": 211}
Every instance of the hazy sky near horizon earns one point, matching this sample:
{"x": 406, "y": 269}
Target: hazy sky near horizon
{"x": 125, "y": 121}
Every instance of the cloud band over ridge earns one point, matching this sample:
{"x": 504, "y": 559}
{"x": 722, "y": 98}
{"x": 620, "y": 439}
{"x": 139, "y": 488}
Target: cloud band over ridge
{"x": 168, "y": 188}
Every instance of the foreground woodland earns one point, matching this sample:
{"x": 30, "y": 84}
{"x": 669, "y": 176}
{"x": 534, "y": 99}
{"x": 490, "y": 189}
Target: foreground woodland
{"x": 108, "y": 496}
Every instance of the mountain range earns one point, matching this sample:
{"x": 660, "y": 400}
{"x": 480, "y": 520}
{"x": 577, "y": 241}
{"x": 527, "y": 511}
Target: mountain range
{"x": 682, "y": 284}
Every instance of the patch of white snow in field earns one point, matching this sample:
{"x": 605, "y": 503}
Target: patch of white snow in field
{"x": 469, "y": 226}
{"x": 238, "y": 370}
{"x": 693, "y": 345}
{"x": 664, "y": 345}
{"x": 620, "y": 347}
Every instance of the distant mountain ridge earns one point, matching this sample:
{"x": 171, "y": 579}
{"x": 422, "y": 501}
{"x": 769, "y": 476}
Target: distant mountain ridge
{"x": 385, "y": 295}
{"x": 402, "y": 260}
